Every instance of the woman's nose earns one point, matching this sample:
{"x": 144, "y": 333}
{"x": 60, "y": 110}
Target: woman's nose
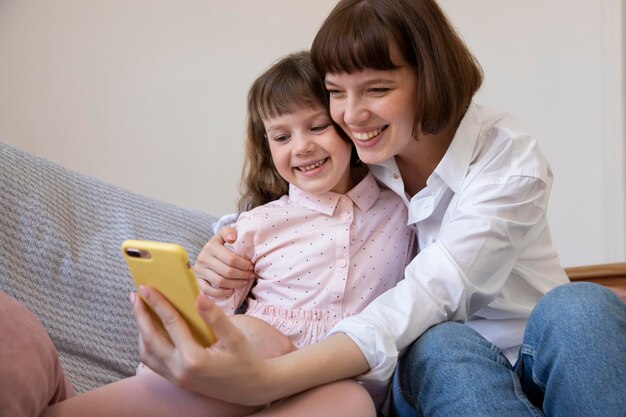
{"x": 354, "y": 112}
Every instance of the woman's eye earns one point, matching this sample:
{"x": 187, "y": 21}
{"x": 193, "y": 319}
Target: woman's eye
{"x": 334, "y": 93}
{"x": 320, "y": 128}
{"x": 380, "y": 90}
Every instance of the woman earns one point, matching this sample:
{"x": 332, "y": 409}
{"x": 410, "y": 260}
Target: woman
{"x": 476, "y": 333}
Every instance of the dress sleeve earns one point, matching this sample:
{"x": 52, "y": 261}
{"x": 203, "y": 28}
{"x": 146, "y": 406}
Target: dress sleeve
{"x": 461, "y": 272}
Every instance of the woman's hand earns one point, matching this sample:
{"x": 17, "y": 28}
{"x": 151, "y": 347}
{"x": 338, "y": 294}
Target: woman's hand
{"x": 218, "y": 269}
{"x": 229, "y": 370}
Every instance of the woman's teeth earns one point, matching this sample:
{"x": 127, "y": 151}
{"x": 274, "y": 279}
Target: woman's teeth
{"x": 313, "y": 166}
{"x": 367, "y": 136}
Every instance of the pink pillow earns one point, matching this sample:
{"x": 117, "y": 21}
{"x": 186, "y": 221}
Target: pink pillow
{"x": 31, "y": 376}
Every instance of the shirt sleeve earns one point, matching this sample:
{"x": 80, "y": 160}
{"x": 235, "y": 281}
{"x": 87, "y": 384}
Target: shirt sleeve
{"x": 244, "y": 246}
{"x": 456, "y": 275}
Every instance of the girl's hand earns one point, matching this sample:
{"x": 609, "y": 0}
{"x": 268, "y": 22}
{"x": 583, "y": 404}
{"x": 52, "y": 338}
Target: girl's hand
{"x": 218, "y": 269}
{"x": 229, "y": 370}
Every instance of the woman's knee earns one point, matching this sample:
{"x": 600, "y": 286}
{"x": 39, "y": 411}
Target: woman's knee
{"x": 576, "y": 311}
{"x": 578, "y": 304}
{"x": 446, "y": 339}
{"x": 443, "y": 351}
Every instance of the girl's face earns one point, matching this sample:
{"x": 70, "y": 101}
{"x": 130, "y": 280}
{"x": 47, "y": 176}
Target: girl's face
{"x": 376, "y": 109}
{"x": 308, "y": 152}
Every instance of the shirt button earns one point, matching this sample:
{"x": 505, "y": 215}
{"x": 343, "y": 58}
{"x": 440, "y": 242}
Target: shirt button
{"x": 396, "y": 176}
{"x": 343, "y": 263}
{"x": 343, "y": 198}
{"x": 347, "y": 216}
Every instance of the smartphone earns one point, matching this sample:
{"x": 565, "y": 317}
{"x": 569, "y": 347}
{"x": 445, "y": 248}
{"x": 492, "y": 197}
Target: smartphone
{"x": 166, "y": 267}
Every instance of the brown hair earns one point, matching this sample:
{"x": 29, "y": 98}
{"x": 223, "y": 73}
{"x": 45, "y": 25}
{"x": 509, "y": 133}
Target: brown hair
{"x": 291, "y": 83}
{"x": 360, "y": 34}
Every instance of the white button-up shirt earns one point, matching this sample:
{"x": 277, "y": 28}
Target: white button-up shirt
{"x": 485, "y": 251}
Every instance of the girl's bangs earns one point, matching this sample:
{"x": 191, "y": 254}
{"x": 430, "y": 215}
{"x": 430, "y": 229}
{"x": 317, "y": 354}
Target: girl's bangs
{"x": 288, "y": 90}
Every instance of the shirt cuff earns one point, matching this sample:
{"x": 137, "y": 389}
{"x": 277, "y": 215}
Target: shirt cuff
{"x": 380, "y": 350}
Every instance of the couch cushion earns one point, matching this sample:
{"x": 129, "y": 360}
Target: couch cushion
{"x": 60, "y": 238}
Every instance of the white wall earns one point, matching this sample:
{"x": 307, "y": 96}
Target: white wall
{"x": 150, "y": 94}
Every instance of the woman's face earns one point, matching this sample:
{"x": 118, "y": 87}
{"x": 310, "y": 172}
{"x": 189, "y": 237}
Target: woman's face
{"x": 376, "y": 109}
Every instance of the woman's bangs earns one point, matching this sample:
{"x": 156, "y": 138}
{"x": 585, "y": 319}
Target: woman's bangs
{"x": 352, "y": 42}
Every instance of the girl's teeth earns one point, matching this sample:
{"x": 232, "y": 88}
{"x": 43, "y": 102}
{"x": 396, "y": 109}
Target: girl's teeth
{"x": 313, "y": 166}
{"x": 364, "y": 137}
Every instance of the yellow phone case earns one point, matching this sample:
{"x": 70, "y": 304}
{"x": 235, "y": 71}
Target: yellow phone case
{"x": 166, "y": 267}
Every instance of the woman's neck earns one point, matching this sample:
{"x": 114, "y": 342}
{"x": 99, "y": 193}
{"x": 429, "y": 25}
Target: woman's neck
{"x": 420, "y": 158}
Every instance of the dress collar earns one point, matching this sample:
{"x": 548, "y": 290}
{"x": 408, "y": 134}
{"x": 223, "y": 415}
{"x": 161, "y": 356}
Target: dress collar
{"x": 364, "y": 195}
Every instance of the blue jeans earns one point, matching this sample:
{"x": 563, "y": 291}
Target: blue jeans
{"x": 572, "y": 363}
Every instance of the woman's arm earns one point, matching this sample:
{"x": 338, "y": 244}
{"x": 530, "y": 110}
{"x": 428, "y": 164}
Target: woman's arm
{"x": 218, "y": 269}
{"x": 230, "y": 369}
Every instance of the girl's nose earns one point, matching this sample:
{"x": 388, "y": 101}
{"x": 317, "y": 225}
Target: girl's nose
{"x": 303, "y": 144}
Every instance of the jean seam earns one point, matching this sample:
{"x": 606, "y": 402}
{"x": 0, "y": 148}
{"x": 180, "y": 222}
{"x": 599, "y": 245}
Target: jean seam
{"x": 519, "y": 393}
{"x": 530, "y": 352}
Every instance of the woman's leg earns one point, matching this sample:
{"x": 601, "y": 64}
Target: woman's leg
{"x": 573, "y": 360}
{"x": 31, "y": 377}
{"x": 451, "y": 370}
{"x": 149, "y": 394}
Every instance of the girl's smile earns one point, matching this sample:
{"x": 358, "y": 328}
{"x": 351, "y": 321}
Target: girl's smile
{"x": 308, "y": 152}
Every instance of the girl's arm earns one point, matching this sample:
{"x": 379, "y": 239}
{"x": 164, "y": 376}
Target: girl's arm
{"x": 231, "y": 367}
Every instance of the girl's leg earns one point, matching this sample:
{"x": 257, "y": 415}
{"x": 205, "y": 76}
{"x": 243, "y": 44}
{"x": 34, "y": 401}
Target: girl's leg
{"x": 149, "y": 394}
{"x": 338, "y": 399}
{"x": 574, "y": 353}
{"x": 451, "y": 370}
{"x": 30, "y": 372}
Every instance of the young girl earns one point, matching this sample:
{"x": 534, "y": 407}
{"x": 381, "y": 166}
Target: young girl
{"x": 401, "y": 84}
{"x": 325, "y": 239}
{"x": 308, "y": 199}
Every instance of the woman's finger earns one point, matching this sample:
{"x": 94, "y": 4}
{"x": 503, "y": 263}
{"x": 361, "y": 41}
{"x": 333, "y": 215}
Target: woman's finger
{"x": 209, "y": 290}
{"x": 216, "y": 257}
{"x": 225, "y": 331}
{"x": 154, "y": 345}
{"x": 175, "y": 326}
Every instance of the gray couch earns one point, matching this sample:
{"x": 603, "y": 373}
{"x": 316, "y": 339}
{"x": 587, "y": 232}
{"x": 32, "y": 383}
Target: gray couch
{"x": 60, "y": 238}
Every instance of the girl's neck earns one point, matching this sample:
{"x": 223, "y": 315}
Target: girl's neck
{"x": 420, "y": 158}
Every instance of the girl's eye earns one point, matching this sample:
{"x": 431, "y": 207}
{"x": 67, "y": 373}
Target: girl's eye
{"x": 281, "y": 138}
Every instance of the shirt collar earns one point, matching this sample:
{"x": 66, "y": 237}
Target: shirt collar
{"x": 454, "y": 165}
{"x": 364, "y": 195}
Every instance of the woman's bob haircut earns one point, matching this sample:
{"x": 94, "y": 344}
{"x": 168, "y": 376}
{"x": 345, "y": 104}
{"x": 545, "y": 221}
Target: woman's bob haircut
{"x": 362, "y": 34}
